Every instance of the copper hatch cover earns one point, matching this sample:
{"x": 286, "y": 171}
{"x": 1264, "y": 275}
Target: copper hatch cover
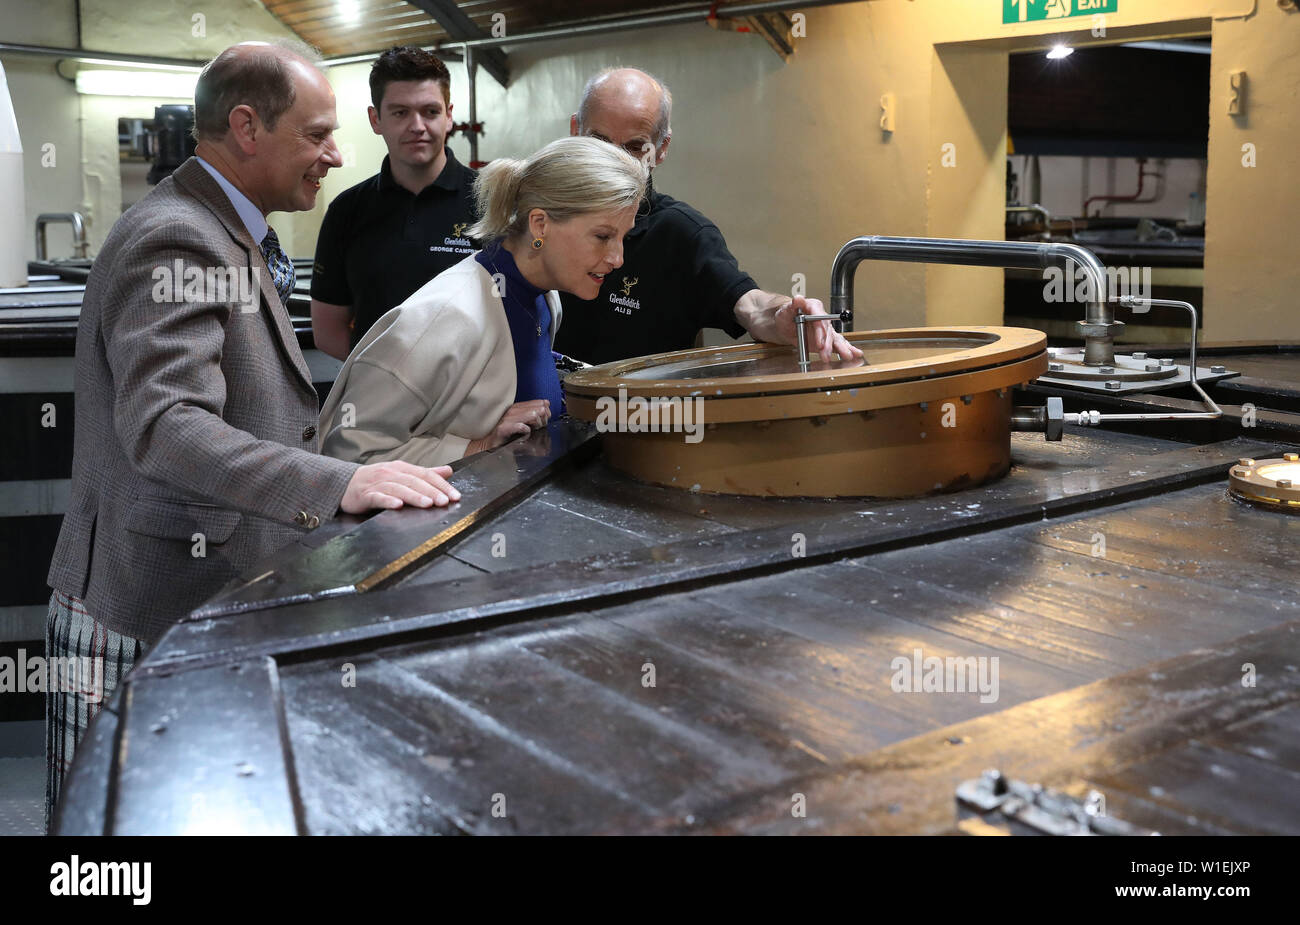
{"x": 926, "y": 410}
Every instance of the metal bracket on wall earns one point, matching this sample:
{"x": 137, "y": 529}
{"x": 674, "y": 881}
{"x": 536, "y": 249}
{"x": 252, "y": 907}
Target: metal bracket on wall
{"x": 777, "y": 29}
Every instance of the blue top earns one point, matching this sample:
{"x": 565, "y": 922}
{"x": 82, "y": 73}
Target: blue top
{"x": 529, "y": 316}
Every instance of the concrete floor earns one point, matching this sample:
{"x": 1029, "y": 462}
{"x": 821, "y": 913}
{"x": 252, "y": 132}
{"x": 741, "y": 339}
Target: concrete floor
{"x": 22, "y": 778}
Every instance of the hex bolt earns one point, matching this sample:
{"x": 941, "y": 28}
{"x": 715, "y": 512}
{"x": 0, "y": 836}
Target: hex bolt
{"x": 1241, "y": 473}
{"x": 993, "y": 781}
{"x": 1244, "y": 461}
{"x": 1055, "y": 367}
{"x": 1291, "y": 457}
{"x": 1139, "y": 355}
{"x": 1218, "y": 369}
{"x": 1166, "y": 361}
{"x": 1106, "y": 370}
{"x": 1153, "y": 367}
{"x": 1113, "y": 384}
{"x": 1283, "y": 483}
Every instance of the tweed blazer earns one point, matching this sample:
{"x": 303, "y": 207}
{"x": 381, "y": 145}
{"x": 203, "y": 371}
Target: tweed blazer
{"x": 430, "y": 375}
{"x": 195, "y": 449}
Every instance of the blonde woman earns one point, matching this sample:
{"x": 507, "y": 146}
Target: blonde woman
{"x": 465, "y": 363}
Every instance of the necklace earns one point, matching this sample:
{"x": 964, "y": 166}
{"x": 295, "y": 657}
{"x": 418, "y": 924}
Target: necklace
{"x": 536, "y": 317}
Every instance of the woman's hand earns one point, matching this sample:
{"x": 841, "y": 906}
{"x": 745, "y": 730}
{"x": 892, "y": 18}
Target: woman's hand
{"x": 521, "y": 418}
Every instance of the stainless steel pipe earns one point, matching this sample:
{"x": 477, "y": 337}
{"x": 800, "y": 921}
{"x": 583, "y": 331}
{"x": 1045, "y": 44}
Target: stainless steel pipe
{"x": 79, "y": 242}
{"x": 1093, "y": 418}
{"x": 1099, "y": 327}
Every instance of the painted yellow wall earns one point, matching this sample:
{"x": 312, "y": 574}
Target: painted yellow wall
{"x": 1252, "y": 275}
{"x": 967, "y": 187}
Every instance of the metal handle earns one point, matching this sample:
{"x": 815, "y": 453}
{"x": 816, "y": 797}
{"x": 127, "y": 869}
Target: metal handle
{"x": 799, "y": 321}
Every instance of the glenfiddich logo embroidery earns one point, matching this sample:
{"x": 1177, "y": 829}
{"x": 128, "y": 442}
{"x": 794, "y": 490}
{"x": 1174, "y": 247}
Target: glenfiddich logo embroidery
{"x": 624, "y": 304}
{"x": 457, "y": 243}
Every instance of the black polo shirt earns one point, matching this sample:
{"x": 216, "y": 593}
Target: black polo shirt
{"x": 379, "y": 242}
{"x": 677, "y": 277}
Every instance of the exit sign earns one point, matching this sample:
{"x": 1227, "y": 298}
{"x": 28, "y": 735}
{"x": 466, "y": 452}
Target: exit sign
{"x": 1034, "y": 10}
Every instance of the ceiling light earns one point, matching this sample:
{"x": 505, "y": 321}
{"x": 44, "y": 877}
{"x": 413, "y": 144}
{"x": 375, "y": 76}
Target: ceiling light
{"x": 349, "y": 11}
{"x": 1060, "y": 51}
{"x": 151, "y": 84}
{"x": 150, "y": 65}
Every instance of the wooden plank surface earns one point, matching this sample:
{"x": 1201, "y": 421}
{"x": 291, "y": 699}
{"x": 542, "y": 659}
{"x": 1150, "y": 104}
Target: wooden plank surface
{"x": 398, "y": 754}
{"x": 787, "y": 678}
{"x": 1083, "y": 734}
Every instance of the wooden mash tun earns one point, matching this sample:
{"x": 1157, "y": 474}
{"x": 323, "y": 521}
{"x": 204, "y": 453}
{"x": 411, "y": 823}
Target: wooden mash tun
{"x": 926, "y": 410}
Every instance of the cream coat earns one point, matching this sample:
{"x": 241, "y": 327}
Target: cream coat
{"x": 432, "y": 374}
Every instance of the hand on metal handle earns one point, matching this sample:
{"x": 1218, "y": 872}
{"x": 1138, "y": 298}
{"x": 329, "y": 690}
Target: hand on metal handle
{"x": 800, "y": 319}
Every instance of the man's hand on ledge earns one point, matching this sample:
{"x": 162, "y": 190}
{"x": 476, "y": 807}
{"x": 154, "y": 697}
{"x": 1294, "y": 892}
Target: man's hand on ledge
{"x": 393, "y": 484}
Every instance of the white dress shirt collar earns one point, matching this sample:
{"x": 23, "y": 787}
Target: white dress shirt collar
{"x": 250, "y": 214}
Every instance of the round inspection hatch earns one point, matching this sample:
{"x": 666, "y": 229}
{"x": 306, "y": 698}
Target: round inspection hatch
{"x": 1273, "y": 483}
{"x": 925, "y": 410}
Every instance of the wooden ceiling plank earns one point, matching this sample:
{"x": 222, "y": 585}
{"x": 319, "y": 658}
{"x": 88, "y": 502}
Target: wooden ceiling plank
{"x": 330, "y": 11}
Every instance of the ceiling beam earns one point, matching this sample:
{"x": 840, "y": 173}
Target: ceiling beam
{"x": 461, "y": 28}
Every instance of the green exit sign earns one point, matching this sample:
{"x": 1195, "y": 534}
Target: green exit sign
{"x": 1034, "y": 10}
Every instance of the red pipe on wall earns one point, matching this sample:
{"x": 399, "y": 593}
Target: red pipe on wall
{"x": 1136, "y": 197}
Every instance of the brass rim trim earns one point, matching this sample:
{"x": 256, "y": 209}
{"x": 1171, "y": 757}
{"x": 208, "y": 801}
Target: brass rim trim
{"x": 1008, "y": 344}
{"x": 848, "y": 400}
{"x": 1245, "y": 479}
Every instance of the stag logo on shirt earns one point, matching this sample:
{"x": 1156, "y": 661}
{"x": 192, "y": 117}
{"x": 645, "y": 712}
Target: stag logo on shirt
{"x": 624, "y": 304}
{"x": 456, "y": 242}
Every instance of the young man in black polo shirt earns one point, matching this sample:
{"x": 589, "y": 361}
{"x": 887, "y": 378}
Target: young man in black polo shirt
{"x": 677, "y": 275}
{"x": 386, "y": 237}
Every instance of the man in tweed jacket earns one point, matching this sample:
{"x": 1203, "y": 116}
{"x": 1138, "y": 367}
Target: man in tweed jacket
{"x": 196, "y": 451}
